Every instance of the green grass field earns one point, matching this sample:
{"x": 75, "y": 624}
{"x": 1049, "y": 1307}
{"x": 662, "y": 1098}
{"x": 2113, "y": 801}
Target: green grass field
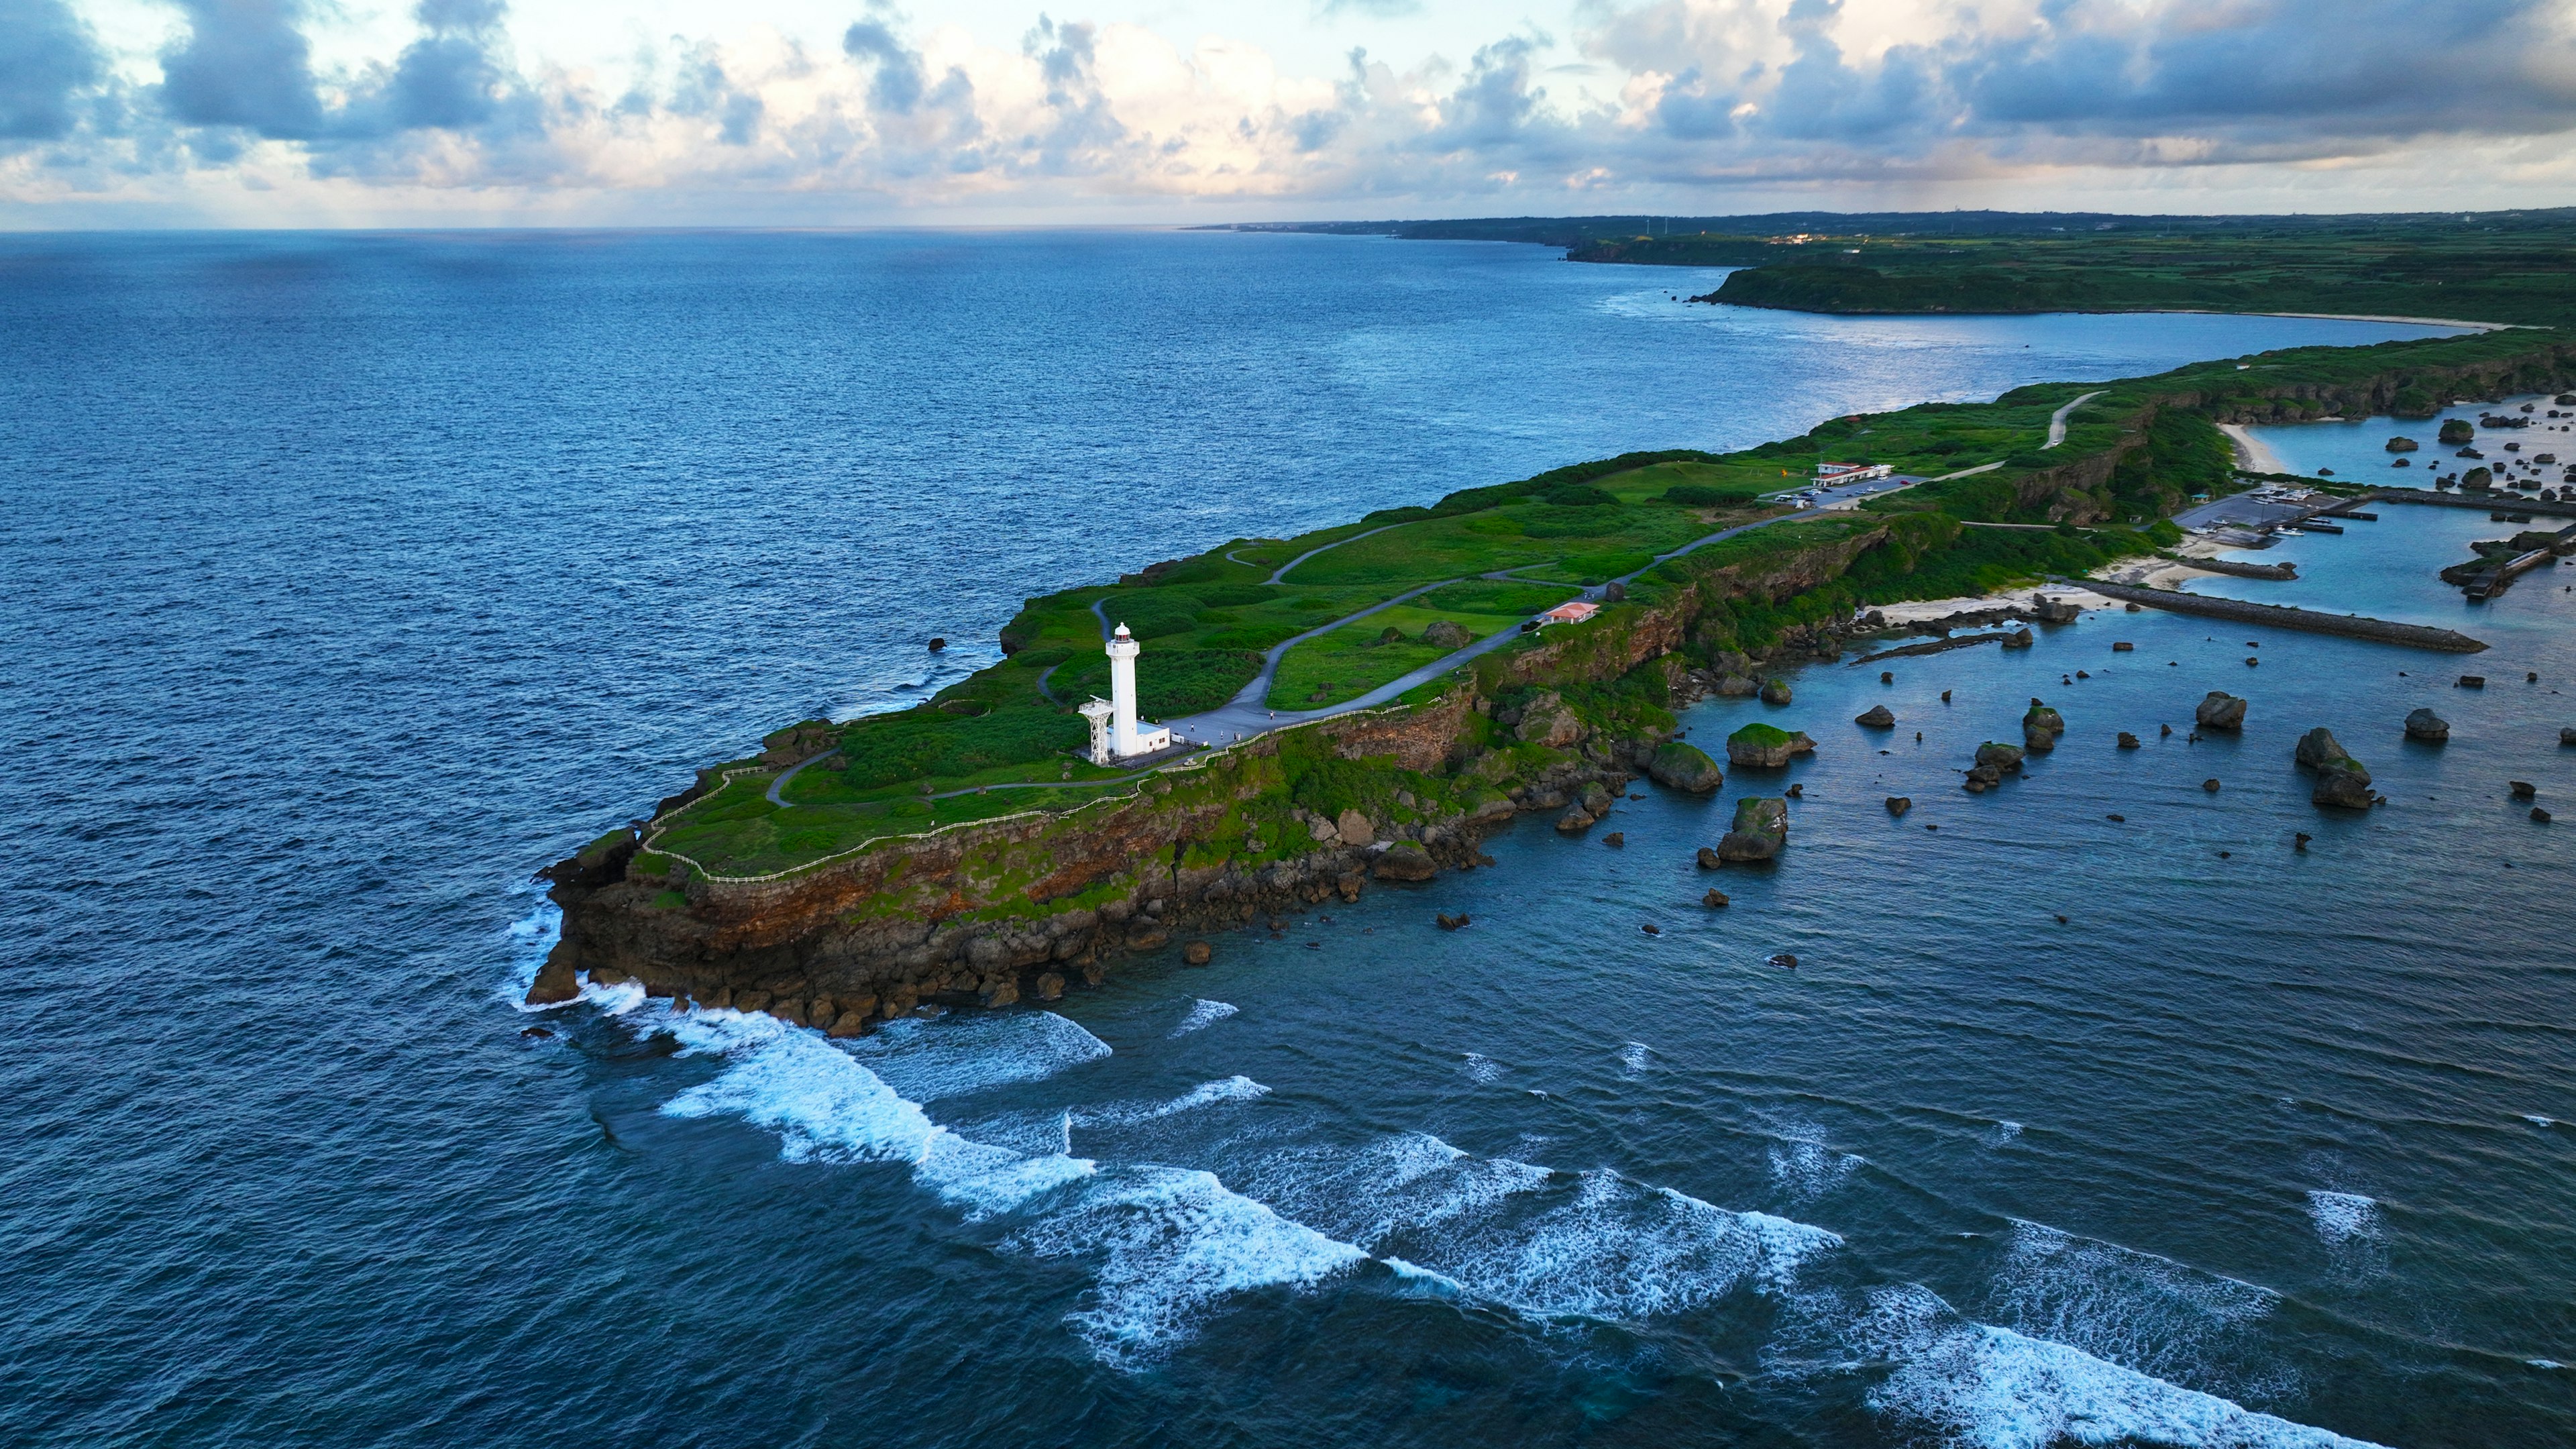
{"x": 1351, "y": 661}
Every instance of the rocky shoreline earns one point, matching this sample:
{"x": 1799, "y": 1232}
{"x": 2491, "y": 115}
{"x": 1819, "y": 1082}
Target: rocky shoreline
{"x": 843, "y": 972}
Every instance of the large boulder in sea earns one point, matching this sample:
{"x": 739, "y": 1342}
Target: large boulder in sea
{"x": 2402, "y": 445}
{"x": 1876, "y": 717}
{"x": 2317, "y": 749}
{"x": 1404, "y": 861}
{"x": 1738, "y": 686}
{"x": 1766, "y": 747}
{"x": 2220, "y": 711}
{"x": 2040, "y": 727}
{"x": 1994, "y": 761}
{"x": 2457, "y": 430}
{"x": 1677, "y": 766}
{"x": 2423, "y": 724}
{"x": 555, "y": 982}
{"x": 1761, "y": 828}
{"x": 1775, "y": 691}
{"x": 2054, "y": 611}
{"x": 2476, "y": 480}
{"x": 2342, "y": 783}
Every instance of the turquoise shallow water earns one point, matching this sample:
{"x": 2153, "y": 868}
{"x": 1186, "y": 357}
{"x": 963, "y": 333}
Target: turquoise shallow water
{"x": 352, "y": 578}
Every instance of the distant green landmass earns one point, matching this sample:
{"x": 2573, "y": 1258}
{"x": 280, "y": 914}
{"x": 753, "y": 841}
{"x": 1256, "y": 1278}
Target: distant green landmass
{"x": 2510, "y": 267}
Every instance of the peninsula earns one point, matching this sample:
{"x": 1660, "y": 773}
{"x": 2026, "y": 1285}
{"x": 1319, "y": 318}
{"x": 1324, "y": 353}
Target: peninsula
{"x": 1363, "y": 703}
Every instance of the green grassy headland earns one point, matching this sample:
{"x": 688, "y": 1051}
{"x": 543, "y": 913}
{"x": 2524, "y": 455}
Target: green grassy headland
{"x": 2132, "y": 456}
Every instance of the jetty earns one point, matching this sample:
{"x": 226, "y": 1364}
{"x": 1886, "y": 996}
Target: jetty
{"x": 2276, "y": 572}
{"x": 2485, "y": 501}
{"x": 2281, "y": 616}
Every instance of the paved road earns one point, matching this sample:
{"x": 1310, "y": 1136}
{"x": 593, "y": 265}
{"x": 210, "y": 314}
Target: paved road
{"x": 1281, "y": 575}
{"x": 790, "y": 773}
{"x": 2057, "y": 419}
{"x": 1248, "y": 713}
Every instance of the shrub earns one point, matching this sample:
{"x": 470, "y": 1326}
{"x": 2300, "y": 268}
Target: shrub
{"x": 1170, "y": 681}
{"x": 1232, "y": 596}
{"x": 1151, "y": 615}
{"x": 1697, "y": 495}
{"x": 882, "y": 749}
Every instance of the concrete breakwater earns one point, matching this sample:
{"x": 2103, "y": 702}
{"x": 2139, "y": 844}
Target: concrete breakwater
{"x": 2483, "y": 502}
{"x": 2276, "y": 572}
{"x": 2280, "y": 616}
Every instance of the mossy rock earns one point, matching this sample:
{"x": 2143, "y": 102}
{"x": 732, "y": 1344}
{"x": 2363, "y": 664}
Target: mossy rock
{"x": 1678, "y": 766}
{"x": 1761, "y": 829}
{"x": 1766, "y": 746}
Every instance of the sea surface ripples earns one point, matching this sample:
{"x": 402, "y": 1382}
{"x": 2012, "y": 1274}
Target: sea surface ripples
{"x": 351, "y": 578}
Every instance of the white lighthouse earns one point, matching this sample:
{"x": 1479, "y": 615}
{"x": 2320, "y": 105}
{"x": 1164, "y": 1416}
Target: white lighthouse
{"x": 1114, "y": 735}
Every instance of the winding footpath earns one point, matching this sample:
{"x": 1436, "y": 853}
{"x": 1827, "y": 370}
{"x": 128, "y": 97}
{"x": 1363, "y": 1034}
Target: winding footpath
{"x": 2057, "y": 419}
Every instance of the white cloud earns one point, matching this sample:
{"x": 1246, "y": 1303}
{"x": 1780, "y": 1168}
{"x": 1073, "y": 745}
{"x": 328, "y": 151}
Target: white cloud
{"x": 809, "y": 111}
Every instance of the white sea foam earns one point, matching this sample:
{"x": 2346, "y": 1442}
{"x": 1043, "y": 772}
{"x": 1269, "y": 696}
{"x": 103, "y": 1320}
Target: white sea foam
{"x": 1635, "y": 1058}
{"x": 1621, "y": 1250}
{"x": 532, "y": 939}
{"x": 613, "y": 1000}
{"x": 1415, "y": 1276}
{"x": 2149, "y": 1313}
{"x": 986, "y": 1181}
{"x": 2536, "y": 1120}
{"x": 824, "y": 1106}
{"x": 1405, "y": 1182}
{"x": 2002, "y": 1133}
{"x": 953, "y": 1057}
{"x": 1203, "y": 1013}
{"x": 1481, "y": 1068}
{"x": 1205, "y": 1094}
{"x": 1808, "y": 1170}
{"x": 2343, "y": 1217}
{"x": 1169, "y": 1244}
{"x": 1992, "y": 1388}
{"x": 827, "y": 1107}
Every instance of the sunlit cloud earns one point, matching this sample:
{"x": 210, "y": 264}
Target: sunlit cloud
{"x": 255, "y": 107}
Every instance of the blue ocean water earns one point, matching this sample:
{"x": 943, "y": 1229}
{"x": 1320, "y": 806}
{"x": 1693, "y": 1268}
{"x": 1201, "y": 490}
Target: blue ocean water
{"x": 350, "y": 578}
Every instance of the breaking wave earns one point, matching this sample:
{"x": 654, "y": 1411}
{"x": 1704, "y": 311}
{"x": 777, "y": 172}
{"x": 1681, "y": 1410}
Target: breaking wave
{"x": 2149, "y": 1313}
{"x": 1166, "y": 1244}
{"x": 2343, "y": 1217}
{"x": 1993, "y": 1388}
{"x": 957, "y": 1056}
{"x": 1203, "y": 1013}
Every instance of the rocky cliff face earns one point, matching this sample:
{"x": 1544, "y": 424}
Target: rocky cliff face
{"x": 1024, "y": 906}
{"x": 1027, "y": 905}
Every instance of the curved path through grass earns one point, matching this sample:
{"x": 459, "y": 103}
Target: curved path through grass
{"x": 1280, "y": 576}
{"x": 2057, "y": 419}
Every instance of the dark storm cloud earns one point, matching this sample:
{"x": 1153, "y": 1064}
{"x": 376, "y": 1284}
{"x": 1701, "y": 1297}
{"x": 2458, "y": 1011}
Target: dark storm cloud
{"x": 47, "y": 59}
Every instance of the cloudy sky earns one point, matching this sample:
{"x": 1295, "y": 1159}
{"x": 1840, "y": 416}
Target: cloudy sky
{"x": 301, "y": 112}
